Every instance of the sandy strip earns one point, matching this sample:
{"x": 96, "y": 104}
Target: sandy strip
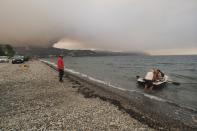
{"x": 32, "y": 99}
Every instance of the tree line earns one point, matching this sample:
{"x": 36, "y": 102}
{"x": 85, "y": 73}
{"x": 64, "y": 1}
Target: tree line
{"x": 6, "y": 50}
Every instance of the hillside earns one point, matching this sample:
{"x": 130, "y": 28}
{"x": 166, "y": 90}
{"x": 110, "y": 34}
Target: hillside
{"x": 50, "y": 51}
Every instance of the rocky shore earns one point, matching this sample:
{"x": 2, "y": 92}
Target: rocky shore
{"x": 33, "y": 99}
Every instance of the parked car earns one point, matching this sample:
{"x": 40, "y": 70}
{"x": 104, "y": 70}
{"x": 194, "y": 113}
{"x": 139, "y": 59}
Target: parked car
{"x": 17, "y": 59}
{"x": 4, "y": 59}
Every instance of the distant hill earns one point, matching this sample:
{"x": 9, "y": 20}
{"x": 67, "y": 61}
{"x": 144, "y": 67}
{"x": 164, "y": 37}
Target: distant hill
{"x": 39, "y": 52}
{"x": 50, "y": 51}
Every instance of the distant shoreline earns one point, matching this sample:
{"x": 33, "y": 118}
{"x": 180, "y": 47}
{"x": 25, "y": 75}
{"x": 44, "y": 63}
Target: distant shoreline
{"x": 50, "y": 51}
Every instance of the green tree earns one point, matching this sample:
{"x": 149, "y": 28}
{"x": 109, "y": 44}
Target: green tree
{"x": 1, "y": 50}
{"x": 7, "y": 50}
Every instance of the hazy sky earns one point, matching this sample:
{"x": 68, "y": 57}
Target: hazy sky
{"x": 154, "y": 26}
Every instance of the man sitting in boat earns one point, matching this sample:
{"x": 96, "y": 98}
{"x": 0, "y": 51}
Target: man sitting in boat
{"x": 154, "y": 75}
{"x": 159, "y": 75}
{"x": 150, "y": 78}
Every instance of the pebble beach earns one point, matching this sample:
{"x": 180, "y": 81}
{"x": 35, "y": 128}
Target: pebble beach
{"x": 32, "y": 98}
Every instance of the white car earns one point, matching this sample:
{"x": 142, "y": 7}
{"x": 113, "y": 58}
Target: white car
{"x": 4, "y": 59}
{"x": 17, "y": 59}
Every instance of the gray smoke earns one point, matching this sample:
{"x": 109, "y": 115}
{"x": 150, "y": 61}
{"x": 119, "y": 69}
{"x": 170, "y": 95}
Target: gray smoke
{"x": 128, "y": 25}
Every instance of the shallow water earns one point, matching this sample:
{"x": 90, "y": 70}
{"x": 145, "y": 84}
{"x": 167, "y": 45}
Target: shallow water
{"x": 121, "y": 71}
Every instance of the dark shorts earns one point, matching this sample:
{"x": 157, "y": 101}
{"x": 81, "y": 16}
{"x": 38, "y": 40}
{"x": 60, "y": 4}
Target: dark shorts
{"x": 148, "y": 82}
{"x": 61, "y": 73}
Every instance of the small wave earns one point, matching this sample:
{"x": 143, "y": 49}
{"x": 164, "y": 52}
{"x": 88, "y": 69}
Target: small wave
{"x": 184, "y": 76}
{"x": 166, "y": 63}
{"x": 125, "y": 67}
{"x": 154, "y": 97}
{"x": 149, "y": 96}
{"x": 182, "y": 106}
{"x": 190, "y": 69}
{"x": 169, "y": 102}
{"x": 165, "y": 101}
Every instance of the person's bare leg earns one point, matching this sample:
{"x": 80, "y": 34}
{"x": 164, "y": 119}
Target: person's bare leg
{"x": 146, "y": 87}
{"x": 151, "y": 87}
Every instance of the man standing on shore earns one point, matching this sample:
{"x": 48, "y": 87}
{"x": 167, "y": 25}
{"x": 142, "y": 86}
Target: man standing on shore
{"x": 60, "y": 67}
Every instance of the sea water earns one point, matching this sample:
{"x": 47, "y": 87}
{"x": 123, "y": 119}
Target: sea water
{"x": 121, "y": 72}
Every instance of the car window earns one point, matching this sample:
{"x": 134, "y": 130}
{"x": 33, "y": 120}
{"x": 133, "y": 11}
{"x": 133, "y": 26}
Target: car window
{"x": 18, "y": 57}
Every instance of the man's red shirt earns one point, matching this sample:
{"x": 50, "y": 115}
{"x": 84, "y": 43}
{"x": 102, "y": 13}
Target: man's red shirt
{"x": 60, "y": 63}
